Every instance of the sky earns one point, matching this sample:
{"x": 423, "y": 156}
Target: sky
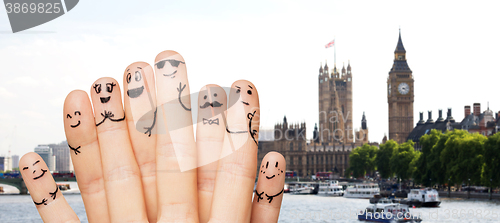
{"x": 451, "y": 47}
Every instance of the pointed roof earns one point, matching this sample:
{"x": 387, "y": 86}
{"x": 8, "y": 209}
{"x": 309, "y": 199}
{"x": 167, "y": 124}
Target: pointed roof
{"x": 400, "y": 47}
{"x": 400, "y": 65}
{"x": 348, "y": 65}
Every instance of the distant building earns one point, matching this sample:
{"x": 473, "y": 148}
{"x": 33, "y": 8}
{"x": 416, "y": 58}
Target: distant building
{"x": 15, "y": 161}
{"x": 47, "y": 155}
{"x": 308, "y": 158}
{"x": 485, "y": 123}
{"x": 5, "y": 163}
{"x": 61, "y": 152}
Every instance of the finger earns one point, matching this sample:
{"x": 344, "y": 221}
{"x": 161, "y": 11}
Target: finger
{"x": 46, "y": 195}
{"x": 269, "y": 192}
{"x": 140, "y": 109}
{"x": 84, "y": 149}
{"x": 212, "y": 103}
{"x": 122, "y": 178}
{"x": 236, "y": 172}
{"x": 176, "y": 151}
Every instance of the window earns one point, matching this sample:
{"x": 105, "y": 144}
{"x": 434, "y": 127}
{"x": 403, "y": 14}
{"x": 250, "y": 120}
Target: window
{"x": 291, "y": 146}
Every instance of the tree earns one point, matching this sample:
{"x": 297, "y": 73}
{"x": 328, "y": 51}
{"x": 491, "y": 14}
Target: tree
{"x": 401, "y": 159}
{"x": 423, "y": 169}
{"x": 362, "y": 160}
{"x": 414, "y": 163}
{"x": 491, "y": 167}
{"x": 463, "y": 157}
{"x": 383, "y": 158}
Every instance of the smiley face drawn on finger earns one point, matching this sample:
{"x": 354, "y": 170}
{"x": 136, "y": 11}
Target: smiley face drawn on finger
{"x": 246, "y": 94}
{"x": 109, "y": 89}
{"x": 210, "y": 102}
{"x": 105, "y": 97}
{"x": 214, "y": 104}
{"x": 134, "y": 76}
{"x": 245, "y": 97}
{"x": 271, "y": 173}
{"x": 70, "y": 117}
{"x": 170, "y": 70}
{"x": 38, "y": 174}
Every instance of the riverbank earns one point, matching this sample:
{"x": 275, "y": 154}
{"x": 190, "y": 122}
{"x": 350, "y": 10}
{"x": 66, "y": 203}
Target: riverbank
{"x": 473, "y": 195}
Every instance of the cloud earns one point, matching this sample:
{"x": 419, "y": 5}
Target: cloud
{"x": 4, "y": 93}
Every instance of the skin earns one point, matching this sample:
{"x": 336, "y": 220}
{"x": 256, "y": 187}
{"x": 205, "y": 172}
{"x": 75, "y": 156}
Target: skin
{"x": 126, "y": 175}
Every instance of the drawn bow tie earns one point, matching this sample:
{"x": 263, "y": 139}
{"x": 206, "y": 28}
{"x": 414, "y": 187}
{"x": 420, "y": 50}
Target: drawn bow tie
{"x": 211, "y": 121}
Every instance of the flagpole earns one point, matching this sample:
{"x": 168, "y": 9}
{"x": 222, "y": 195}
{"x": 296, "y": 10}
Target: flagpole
{"x": 334, "y": 53}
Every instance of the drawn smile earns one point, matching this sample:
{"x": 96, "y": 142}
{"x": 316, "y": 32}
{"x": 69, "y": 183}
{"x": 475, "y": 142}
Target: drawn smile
{"x": 74, "y": 126}
{"x": 41, "y": 175}
{"x": 168, "y": 75}
{"x": 270, "y": 177}
{"x": 105, "y": 99}
{"x": 246, "y": 103}
{"x": 135, "y": 92}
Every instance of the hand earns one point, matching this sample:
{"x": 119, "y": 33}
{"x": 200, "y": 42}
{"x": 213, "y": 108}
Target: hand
{"x": 140, "y": 162}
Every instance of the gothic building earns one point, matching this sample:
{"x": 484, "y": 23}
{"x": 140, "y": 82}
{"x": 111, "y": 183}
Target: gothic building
{"x": 335, "y": 105}
{"x": 334, "y": 140}
{"x": 400, "y": 96}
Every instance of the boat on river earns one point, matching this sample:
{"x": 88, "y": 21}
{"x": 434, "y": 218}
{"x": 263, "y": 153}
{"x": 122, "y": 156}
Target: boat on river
{"x": 387, "y": 211}
{"x": 362, "y": 190}
{"x": 427, "y": 197}
{"x": 303, "y": 187}
{"x": 330, "y": 188}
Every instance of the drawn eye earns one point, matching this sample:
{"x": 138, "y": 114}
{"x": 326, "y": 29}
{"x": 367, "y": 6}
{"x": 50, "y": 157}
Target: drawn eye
{"x": 160, "y": 64}
{"x": 215, "y": 95}
{"x": 205, "y": 97}
{"x": 97, "y": 88}
{"x": 78, "y": 112}
{"x": 68, "y": 116}
{"x": 129, "y": 76}
{"x": 238, "y": 91}
{"x": 109, "y": 87}
{"x": 174, "y": 63}
{"x": 276, "y": 164}
{"x": 249, "y": 92}
{"x": 138, "y": 76}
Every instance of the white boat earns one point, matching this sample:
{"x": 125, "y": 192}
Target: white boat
{"x": 330, "y": 188}
{"x": 362, "y": 190}
{"x": 427, "y": 197}
{"x": 386, "y": 211}
{"x": 303, "y": 187}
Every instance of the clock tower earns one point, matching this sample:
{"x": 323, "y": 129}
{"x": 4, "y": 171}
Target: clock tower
{"x": 400, "y": 96}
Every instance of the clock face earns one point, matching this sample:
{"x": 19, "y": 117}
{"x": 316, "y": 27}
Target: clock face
{"x": 389, "y": 89}
{"x": 403, "y": 88}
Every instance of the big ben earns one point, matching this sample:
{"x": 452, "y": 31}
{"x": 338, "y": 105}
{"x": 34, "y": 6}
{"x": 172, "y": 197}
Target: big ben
{"x": 400, "y": 96}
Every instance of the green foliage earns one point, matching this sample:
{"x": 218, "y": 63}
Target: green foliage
{"x": 413, "y": 164}
{"x": 491, "y": 166}
{"x": 401, "y": 159}
{"x": 463, "y": 156}
{"x": 422, "y": 173}
{"x": 383, "y": 158}
{"x": 362, "y": 160}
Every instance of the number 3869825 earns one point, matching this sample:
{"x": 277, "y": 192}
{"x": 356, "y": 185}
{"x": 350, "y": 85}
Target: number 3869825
{"x": 33, "y": 8}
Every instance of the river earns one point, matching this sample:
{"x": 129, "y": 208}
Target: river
{"x": 295, "y": 208}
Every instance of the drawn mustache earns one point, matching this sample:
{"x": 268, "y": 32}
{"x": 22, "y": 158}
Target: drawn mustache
{"x": 215, "y": 104}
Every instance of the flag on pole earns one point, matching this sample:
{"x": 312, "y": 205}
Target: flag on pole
{"x": 330, "y": 44}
